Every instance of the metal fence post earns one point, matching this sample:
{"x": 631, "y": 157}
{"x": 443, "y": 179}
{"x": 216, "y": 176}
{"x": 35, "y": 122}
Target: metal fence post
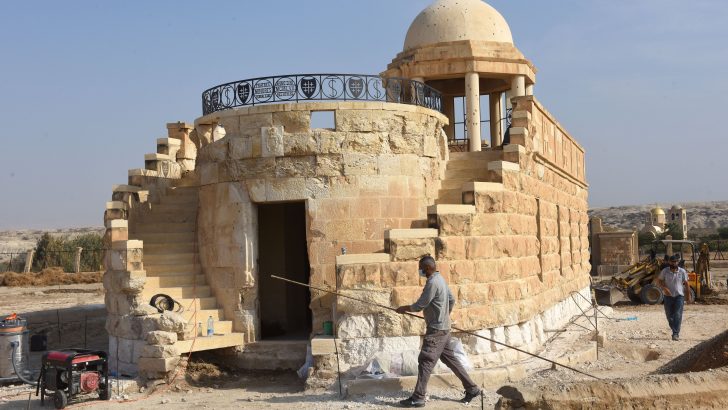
{"x": 77, "y": 260}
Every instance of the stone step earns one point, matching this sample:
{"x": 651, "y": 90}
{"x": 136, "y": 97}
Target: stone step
{"x": 165, "y": 217}
{"x": 449, "y": 196}
{"x": 202, "y": 315}
{"x": 178, "y": 292}
{"x": 174, "y": 237}
{"x": 199, "y": 303}
{"x": 169, "y": 258}
{"x": 477, "y": 155}
{"x": 176, "y": 269}
{"x": 470, "y": 174}
{"x": 169, "y": 248}
{"x": 273, "y": 355}
{"x": 150, "y": 226}
{"x": 167, "y": 281}
{"x": 454, "y": 183}
{"x": 210, "y": 342}
{"x": 183, "y": 208}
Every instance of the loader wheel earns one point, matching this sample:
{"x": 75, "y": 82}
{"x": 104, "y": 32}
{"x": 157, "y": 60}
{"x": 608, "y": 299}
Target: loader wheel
{"x": 651, "y": 295}
{"x": 633, "y": 296}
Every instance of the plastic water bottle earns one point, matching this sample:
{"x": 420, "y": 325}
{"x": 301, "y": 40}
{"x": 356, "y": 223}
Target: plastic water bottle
{"x": 210, "y": 328}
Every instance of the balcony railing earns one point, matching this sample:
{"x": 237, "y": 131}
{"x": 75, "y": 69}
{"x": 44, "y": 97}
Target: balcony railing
{"x": 319, "y": 87}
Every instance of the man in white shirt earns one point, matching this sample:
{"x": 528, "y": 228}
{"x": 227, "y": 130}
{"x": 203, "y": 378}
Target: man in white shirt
{"x": 674, "y": 283}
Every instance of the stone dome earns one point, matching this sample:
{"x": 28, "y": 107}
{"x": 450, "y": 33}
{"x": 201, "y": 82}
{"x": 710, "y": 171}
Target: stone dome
{"x": 454, "y": 20}
{"x": 657, "y": 211}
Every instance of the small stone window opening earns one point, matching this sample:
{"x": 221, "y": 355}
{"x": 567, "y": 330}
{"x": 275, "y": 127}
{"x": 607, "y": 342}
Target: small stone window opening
{"x": 323, "y": 120}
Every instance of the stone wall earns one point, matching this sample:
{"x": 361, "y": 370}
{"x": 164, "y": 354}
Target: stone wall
{"x": 515, "y": 254}
{"x": 378, "y": 169}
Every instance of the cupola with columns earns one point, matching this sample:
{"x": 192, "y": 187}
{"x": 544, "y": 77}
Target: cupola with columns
{"x": 464, "y": 48}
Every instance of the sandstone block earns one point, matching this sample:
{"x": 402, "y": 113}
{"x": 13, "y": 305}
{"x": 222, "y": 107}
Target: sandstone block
{"x": 450, "y": 248}
{"x": 399, "y": 274}
{"x": 356, "y": 326}
{"x": 160, "y": 351}
{"x": 366, "y": 301}
{"x": 156, "y": 366}
{"x": 405, "y": 295}
{"x": 499, "y": 335}
{"x": 301, "y": 166}
{"x": 359, "y": 164}
{"x": 240, "y": 148}
{"x": 411, "y": 249}
{"x": 454, "y": 224}
{"x": 159, "y": 337}
{"x": 461, "y": 272}
{"x": 486, "y": 271}
{"x": 476, "y": 345}
{"x": 293, "y": 121}
{"x": 329, "y": 165}
{"x": 389, "y": 324}
{"x": 480, "y": 247}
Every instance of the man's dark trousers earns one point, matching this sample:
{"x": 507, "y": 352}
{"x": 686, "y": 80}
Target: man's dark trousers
{"x": 674, "y": 311}
{"x": 436, "y": 346}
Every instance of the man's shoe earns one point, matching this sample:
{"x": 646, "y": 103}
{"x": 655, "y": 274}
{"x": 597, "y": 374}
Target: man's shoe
{"x": 469, "y": 397}
{"x": 675, "y": 337}
{"x": 412, "y": 403}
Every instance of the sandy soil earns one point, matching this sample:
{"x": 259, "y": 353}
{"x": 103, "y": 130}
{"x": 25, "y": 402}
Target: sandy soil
{"x": 30, "y": 299}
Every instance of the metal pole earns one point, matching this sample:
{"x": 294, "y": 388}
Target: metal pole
{"x": 420, "y": 317}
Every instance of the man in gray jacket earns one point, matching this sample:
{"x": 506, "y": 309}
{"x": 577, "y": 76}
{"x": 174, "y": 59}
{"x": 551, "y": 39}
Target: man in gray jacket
{"x": 437, "y": 302}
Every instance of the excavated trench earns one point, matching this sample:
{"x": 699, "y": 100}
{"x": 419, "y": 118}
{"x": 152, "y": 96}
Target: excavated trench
{"x": 697, "y": 379}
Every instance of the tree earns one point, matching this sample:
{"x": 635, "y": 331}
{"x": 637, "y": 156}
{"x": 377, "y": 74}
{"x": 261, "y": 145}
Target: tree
{"x": 723, "y": 232}
{"x": 673, "y": 230}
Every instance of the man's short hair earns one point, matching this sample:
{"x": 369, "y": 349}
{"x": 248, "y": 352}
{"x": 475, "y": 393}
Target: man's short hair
{"x": 428, "y": 261}
{"x": 675, "y": 258}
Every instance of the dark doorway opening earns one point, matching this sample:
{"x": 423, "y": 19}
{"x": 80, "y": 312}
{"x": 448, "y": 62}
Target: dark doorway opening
{"x": 284, "y": 308}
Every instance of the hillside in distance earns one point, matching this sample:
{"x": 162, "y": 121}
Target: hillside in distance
{"x": 701, "y": 215}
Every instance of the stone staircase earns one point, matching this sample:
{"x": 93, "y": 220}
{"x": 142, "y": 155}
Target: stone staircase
{"x": 172, "y": 265}
{"x": 464, "y": 167}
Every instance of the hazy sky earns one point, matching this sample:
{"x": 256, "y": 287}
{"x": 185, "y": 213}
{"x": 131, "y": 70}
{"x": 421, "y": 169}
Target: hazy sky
{"x": 87, "y": 86}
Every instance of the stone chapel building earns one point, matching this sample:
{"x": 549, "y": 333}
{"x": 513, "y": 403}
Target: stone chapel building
{"x": 447, "y": 152}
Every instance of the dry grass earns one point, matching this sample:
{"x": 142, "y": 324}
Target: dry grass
{"x": 49, "y": 277}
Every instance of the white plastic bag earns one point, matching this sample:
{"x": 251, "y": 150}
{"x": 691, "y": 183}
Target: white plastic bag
{"x": 303, "y": 370}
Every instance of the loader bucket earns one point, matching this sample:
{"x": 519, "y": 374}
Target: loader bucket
{"x": 607, "y": 295}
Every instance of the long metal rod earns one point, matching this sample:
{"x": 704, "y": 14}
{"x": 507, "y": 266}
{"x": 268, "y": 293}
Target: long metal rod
{"x": 420, "y": 317}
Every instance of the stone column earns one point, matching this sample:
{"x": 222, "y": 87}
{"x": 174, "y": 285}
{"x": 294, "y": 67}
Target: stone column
{"x": 518, "y": 86}
{"x": 529, "y": 89}
{"x": 77, "y": 260}
{"x": 668, "y": 247}
{"x": 448, "y": 108}
{"x": 472, "y": 106}
{"x": 29, "y": 260}
{"x": 496, "y": 112}
{"x": 509, "y": 95}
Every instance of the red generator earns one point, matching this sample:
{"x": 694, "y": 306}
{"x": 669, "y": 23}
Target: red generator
{"x": 66, "y": 374}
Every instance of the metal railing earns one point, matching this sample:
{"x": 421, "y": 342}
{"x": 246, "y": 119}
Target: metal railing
{"x": 461, "y": 144}
{"x": 319, "y": 87}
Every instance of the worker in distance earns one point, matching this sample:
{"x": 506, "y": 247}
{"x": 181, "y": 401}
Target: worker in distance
{"x": 673, "y": 280}
{"x": 437, "y": 302}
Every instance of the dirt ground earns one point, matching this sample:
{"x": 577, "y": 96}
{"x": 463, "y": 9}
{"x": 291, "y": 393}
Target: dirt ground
{"x": 638, "y": 345}
{"x": 34, "y": 298}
